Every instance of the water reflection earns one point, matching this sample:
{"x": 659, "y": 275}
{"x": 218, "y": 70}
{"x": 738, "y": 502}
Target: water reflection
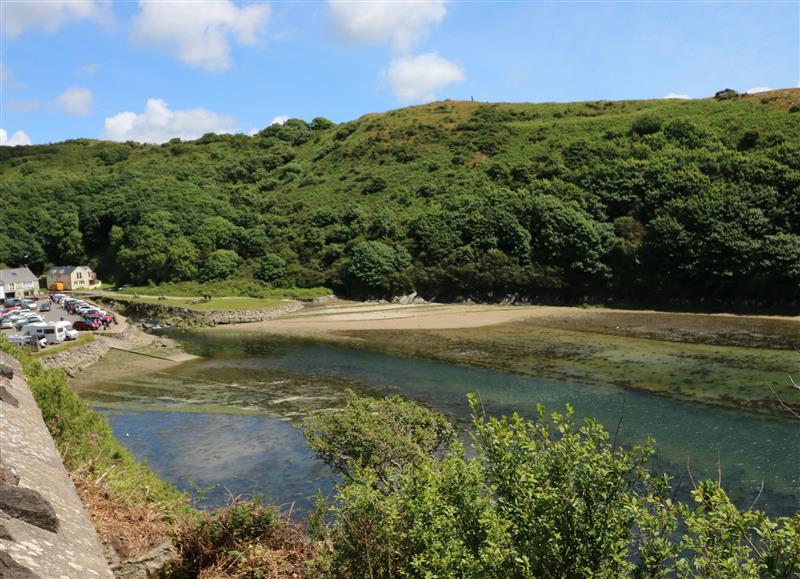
{"x": 225, "y": 422}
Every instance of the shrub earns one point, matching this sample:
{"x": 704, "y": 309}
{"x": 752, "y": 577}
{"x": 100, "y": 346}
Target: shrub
{"x": 726, "y": 94}
{"x": 541, "y": 498}
{"x": 646, "y": 125}
{"x": 245, "y": 539}
{"x": 381, "y": 435}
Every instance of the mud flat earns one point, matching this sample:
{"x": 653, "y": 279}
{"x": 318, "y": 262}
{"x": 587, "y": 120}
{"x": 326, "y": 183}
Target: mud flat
{"x": 722, "y": 359}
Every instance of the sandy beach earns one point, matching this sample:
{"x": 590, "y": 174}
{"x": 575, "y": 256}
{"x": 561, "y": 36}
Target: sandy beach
{"x": 340, "y": 317}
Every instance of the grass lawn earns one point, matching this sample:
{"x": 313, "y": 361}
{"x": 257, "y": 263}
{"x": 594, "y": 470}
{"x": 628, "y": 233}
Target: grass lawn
{"x": 227, "y": 288}
{"x": 216, "y": 303}
{"x": 81, "y": 341}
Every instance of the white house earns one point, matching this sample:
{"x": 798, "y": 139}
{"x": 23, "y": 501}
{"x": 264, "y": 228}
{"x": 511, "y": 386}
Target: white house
{"x": 18, "y": 282}
{"x": 72, "y": 277}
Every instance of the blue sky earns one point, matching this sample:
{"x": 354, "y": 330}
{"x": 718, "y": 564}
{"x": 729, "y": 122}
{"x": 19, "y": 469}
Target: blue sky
{"x": 157, "y": 70}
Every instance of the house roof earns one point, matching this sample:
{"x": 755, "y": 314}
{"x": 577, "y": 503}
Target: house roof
{"x": 17, "y": 275}
{"x": 66, "y": 269}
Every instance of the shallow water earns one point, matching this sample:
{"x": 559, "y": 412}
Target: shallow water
{"x": 226, "y": 424}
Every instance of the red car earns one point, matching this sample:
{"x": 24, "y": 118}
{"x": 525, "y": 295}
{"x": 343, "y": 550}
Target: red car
{"x": 99, "y": 317}
{"x": 84, "y": 325}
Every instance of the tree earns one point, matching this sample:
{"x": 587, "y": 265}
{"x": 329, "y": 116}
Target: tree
{"x": 377, "y": 267}
{"x": 220, "y": 264}
{"x": 272, "y": 270}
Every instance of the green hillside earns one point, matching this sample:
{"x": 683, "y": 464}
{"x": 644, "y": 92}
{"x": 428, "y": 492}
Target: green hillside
{"x": 643, "y": 201}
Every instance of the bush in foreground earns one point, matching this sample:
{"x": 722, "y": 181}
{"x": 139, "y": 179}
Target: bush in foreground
{"x": 541, "y": 498}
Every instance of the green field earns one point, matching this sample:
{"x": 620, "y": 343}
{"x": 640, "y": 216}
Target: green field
{"x": 214, "y": 305}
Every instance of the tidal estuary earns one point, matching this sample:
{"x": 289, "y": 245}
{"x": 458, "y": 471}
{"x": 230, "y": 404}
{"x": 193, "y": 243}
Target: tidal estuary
{"x": 227, "y": 424}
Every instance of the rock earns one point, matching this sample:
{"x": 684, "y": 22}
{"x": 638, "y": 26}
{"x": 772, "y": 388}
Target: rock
{"x": 8, "y": 475}
{"x": 8, "y": 398}
{"x": 4, "y": 535}
{"x": 10, "y": 569}
{"x": 28, "y": 505}
{"x": 6, "y": 372}
{"x": 149, "y": 565}
{"x": 411, "y": 298}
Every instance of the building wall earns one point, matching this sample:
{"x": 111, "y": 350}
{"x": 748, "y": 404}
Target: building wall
{"x": 20, "y": 289}
{"x": 80, "y": 278}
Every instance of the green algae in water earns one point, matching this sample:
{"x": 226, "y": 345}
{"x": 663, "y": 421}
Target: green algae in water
{"x": 263, "y": 381}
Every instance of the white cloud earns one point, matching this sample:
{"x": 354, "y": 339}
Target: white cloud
{"x": 677, "y": 95}
{"x": 279, "y": 120}
{"x": 23, "y": 106}
{"x": 418, "y": 78}
{"x": 158, "y": 124}
{"x": 76, "y": 101}
{"x": 199, "y": 33}
{"x": 757, "y": 90}
{"x": 50, "y": 15}
{"x": 401, "y": 22}
{"x": 18, "y": 138}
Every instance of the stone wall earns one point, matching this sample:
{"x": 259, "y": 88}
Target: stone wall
{"x": 76, "y": 359}
{"x": 44, "y": 530}
{"x": 186, "y": 317}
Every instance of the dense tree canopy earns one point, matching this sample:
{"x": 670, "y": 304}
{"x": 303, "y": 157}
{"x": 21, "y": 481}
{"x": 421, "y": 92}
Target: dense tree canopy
{"x": 638, "y": 200}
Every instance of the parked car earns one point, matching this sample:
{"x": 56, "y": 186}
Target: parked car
{"x": 86, "y": 325}
{"x": 45, "y": 307}
{"x": 6, "y": 324}
{"x": 102, "y": 316}
{"x": 25, "y": 320}
{"x": 71, "y": 333}
{"x": 22, "y": 340}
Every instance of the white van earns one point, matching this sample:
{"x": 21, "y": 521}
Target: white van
{"x": 69, "y": 332}
{"x": 54, "y": 333}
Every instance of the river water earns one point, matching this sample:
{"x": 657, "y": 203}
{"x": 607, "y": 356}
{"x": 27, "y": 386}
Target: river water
{"x": 227, "y": 424}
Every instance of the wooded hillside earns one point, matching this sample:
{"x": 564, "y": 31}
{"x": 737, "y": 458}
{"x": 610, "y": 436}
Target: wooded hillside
{"x": 640, "y": 200}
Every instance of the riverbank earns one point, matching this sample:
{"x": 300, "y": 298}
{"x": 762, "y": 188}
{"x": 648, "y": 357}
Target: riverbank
{"x": 132, "y": 509}
{"x": 721, "y": 359}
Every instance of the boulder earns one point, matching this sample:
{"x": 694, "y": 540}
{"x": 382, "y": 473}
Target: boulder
{"x": 28, "y": 505}
{"x": 7, "y": 397}
{"x": 10, "y": 569}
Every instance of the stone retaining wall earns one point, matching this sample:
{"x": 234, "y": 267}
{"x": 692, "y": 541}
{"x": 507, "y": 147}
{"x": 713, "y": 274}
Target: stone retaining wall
{"x": 44, "y": 530}
{"x": 186, "y": 317}
{"x": 76, "y": 359}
